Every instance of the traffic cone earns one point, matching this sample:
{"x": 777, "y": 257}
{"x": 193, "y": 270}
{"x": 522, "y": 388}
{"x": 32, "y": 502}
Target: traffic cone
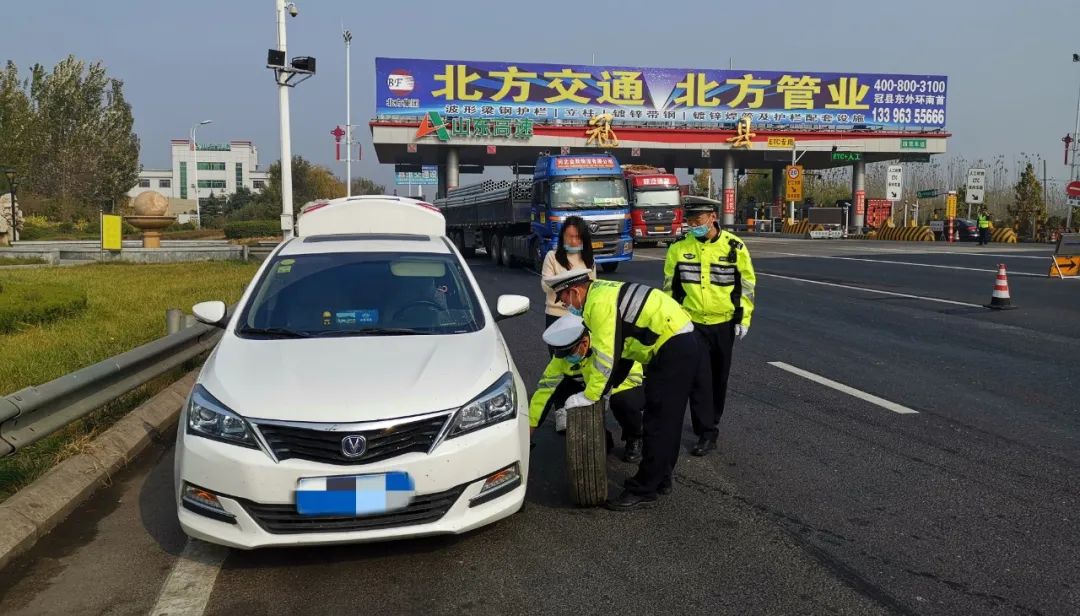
{"x": 1000, "y": 300}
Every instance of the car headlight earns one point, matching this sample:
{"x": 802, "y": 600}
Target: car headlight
{"x": 497, "y": 403}
{"x": 210, "y": 418}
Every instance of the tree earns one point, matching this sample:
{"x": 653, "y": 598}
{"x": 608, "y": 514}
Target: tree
{"x": 364, "y": 186}
{"x": 757, "y": 186}
{"x": 700, "y": 185}
{"x": 69, "y": 133}
{"x": 213, "y": 210}
{"x": 238, "y": 200}
{"x": 310, "y": 182}
{"x": 1028, "y": 209}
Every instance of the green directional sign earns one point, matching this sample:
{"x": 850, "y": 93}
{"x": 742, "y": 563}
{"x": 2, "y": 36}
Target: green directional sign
{"x": 914, "y": 158}
{"x": 913, "y": 144}
{"x": 928, "y": 194}
{"x": 847, "y": 156}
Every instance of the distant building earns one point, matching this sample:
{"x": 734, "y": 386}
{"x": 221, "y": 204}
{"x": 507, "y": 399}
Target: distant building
{"x": 222, "y": 168}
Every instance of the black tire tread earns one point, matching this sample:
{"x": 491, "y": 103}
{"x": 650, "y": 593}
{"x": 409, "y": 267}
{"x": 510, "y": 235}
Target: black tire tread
{"x": 586, "y": 455}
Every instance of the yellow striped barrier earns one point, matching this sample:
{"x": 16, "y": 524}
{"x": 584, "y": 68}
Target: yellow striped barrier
{"x": 799, "y": 228}
{"x": 905, "y": 234}
{"x": 1006, "y": 235}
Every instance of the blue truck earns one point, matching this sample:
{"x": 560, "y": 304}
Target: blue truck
{"x": 519, "y": 221}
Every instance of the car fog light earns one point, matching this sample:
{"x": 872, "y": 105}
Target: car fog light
{"x": 497, "y": 484}
{"x": 204, "y": 503}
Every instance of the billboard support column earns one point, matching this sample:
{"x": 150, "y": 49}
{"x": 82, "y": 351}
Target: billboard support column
{"x": 858, "y": 195}
{"x": 777, "y": 192}
{"x": 729, "y": 190}
{"x": 451, "y": 169}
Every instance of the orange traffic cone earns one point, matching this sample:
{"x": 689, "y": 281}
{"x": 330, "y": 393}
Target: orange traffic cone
{"x": 1000, "y": 300}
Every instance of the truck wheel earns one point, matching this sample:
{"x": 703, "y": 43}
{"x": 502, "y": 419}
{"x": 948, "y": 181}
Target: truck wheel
{"x": 586, "y": 455}
{"x": 609, "y": 267}
{"x": 506, "y": 252}
{"x": 494, "y": 248}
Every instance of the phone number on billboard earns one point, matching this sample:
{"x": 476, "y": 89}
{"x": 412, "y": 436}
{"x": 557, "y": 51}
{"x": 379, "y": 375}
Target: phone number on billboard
{"x": 922, "y": 86}
{"x": 910, "y": 116}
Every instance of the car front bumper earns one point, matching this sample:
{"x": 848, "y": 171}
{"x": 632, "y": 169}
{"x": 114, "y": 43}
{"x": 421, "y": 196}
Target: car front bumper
{"x": 260, "y": 496}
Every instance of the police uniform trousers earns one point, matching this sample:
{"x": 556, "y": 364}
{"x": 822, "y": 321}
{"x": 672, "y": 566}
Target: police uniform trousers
{"x": 669, "y": 378}
{"x": 626, "y": 406}
{"x": 710, "y": 386}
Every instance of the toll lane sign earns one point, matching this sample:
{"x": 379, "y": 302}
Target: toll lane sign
{"x": 894, "y": 183}
{"x": 976, "y": 186}
{"x": 793, "y": 174}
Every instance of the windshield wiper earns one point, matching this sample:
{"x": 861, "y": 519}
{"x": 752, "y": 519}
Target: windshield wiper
{"x": 374, "y": 331}
{"x": 277, "y": 332}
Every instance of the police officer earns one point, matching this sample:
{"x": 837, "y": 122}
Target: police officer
{"x": 569, "y": 340}
{"x": 709, "y": 272}
{"x": 984, "y": 227}
{"x": 631, "y": 322}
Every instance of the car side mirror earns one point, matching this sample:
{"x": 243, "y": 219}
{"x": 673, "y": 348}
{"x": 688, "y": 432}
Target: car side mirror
{"x": 214, "y": 313}
{"x": 511, "y": 306}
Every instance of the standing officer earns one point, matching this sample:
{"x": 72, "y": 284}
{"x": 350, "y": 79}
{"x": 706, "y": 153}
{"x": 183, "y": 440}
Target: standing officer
{"x": 984, "y": 227}
{"x": 631, "y": 322}
{"x": 709, "y": 272}
{"x": 570, "y": 341}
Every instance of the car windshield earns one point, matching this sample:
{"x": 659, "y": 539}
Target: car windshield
{"x": 592, "y": 193}
{"x": 653, "y": 198}
{"x": 361, "y": 294}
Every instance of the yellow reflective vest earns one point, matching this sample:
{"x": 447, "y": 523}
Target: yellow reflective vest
{"x": 627, "y": 322}
{"x": 713, "y": 279}
{"x": 559, "y": 369}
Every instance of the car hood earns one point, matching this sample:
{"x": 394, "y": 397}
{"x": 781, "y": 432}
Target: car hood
{"x": 352, "y": 379}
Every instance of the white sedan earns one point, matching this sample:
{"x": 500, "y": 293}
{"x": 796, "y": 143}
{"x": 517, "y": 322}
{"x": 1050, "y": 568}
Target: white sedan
{"x": 361, "y": 391}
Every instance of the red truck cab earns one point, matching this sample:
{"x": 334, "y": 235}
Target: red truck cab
{"x": 656, "y": 204}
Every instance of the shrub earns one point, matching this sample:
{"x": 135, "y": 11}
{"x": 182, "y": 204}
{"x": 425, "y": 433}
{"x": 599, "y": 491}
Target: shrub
{"x": 24, "y": 304}
{"x": 252, "y": 228}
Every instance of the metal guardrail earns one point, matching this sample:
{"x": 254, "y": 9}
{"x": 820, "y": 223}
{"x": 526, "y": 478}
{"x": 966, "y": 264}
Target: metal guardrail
{"x": 33, "y": 413}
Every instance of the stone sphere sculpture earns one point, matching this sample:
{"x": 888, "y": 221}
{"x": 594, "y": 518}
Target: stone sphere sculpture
{"x": 150, "y": 203}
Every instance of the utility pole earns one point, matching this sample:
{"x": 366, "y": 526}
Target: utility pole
{"x": 286, "y": 145}
{"x": 1074, "y": 172}
{"x": 348, "y": 116}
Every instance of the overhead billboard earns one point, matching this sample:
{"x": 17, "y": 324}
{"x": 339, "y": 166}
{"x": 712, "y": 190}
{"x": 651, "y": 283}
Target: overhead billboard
{"x": 548, "y": 92}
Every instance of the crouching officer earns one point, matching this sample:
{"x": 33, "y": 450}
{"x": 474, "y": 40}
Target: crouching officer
{"x": 628, "y": 323}
{"x": 569, "y": 339}
{"x": 710, "y": 273}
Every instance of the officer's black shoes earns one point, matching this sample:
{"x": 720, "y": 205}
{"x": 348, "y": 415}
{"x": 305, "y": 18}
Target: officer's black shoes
{"x": 632, "y": 450}
{"x": 628, "y": 501}
{"x": 704, "y": 446}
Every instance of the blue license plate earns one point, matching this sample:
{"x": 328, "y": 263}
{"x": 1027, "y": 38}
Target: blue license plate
{"x": 357, "y": 495}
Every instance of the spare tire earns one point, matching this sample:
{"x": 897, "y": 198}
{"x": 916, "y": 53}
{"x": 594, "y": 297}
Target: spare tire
{"x": 586, "y": 455}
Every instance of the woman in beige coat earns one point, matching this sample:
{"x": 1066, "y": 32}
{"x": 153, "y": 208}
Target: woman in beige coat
{"x": 573, "y": 251}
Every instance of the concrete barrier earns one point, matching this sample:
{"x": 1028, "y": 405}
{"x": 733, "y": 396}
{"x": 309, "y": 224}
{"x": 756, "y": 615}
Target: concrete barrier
{"x": 1005, "y": 236}
{"x": 170, "y": 251}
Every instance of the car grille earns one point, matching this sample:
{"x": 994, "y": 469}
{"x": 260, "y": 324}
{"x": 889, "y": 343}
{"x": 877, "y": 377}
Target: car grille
{"x": 283, "y": 519}
{"x": 325, "y": 445}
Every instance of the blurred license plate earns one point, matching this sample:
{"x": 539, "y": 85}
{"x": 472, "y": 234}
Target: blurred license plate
{"x": 357, "y": 495}
{"x": 660, "y": 228}
{"x": 597, "y": 244}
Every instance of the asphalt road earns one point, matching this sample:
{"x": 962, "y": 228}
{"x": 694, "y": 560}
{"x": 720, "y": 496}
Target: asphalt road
{"x": 819, "y": 501}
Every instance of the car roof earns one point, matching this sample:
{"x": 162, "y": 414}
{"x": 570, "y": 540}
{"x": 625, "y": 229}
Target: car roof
{"x": 365, "y": 242}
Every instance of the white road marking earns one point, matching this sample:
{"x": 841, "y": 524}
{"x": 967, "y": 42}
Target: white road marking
{"x": 648, "y": 258}
{"x": 869, "y": 290}
{"x": 934, "y": 265}
{"x": 187, "y": 589}
{"x": 851, "y": 391}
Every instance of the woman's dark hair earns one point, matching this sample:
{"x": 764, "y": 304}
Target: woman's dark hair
{"x": 578, "y": 223}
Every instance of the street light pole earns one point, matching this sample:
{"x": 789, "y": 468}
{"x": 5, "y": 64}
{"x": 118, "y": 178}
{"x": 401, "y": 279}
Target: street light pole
{"x": 195, "y": 171}
{"x": 348, "y": 116}
{"x": 12, "y": 184}
{"x": 286, "y": 146}
{"x": 1074, "y": 174}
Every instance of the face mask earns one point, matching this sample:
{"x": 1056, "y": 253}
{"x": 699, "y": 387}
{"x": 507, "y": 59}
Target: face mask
{"x": 574, "y": 358}
{"x": 574, "y": 311}
{"x": 700, "y": 231}
{"x": 572, "y": 249}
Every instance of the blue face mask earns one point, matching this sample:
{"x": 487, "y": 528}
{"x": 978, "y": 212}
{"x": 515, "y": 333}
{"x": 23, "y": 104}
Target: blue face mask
{"x": 700, "y": 231}
{"x": 574, "y": 358}
{"x": 572, "y": 249}
{"x": 574, "y": 311}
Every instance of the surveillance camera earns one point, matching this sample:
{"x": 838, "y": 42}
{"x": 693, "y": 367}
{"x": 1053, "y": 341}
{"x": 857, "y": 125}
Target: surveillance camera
{"x": 292, "y": 9}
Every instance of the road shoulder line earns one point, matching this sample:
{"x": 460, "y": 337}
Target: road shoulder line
{"x": 851, "y": 391}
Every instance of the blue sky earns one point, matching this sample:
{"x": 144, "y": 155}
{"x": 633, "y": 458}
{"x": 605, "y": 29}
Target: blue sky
{"x": 1012, "y": 85}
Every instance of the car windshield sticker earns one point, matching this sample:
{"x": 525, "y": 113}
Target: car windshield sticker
{"x": 357, "y": 317}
